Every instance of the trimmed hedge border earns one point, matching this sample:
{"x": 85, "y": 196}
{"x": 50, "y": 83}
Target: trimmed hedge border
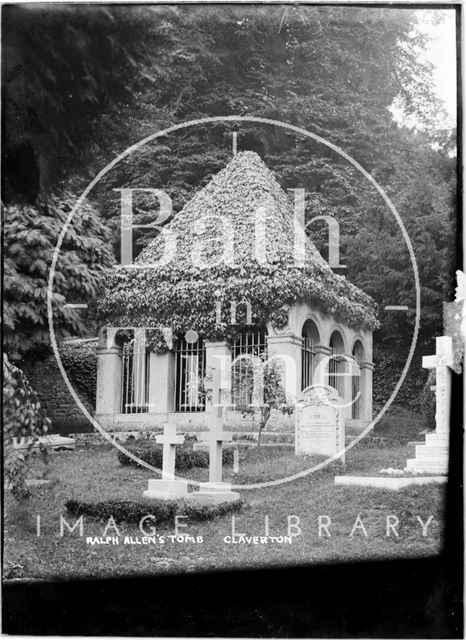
{"x": 185, "y": 457}
{"x": 132, "y": 511}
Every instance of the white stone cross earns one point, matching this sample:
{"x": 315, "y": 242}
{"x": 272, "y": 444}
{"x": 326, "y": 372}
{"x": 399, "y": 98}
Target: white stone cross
{"x": 235, "y": 142}
{"x": 216, "y": 436}
{"x": 169, "y": 439}
{"x": 442, "y": 362}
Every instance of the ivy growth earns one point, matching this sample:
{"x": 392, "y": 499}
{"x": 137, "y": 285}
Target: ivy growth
{"x": 23, "y": 417}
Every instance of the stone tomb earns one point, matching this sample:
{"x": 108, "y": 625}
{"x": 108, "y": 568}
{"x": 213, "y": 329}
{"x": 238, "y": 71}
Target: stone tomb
{"x": 319, "y": 422}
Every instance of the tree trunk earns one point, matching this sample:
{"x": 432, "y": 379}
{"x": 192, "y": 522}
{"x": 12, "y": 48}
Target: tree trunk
{"x": 265, "y": 415}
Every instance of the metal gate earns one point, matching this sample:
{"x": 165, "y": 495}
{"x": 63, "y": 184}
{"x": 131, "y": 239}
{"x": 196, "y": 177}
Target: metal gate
{"x": 307, "y": 362}
{"x": 356, "y": 388}
{"x": 134, "y": 379}
{"x": 335, "y": 369}
{"x": 252, "y": 344}
{"x": 190, "y": 371}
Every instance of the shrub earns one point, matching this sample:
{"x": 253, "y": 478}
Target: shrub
{"x": 249, "y": 437}
{"x": 185, "y": 457}
{"x": 210, "y": 512}
{"x": 23, "y": 415}
{"x": 401, "y": 424}
{"x": 129, "y": 511}
{"x": 80, "y": 362}
{"x": 132, "y": 511}
{"x": 387, "y": 371}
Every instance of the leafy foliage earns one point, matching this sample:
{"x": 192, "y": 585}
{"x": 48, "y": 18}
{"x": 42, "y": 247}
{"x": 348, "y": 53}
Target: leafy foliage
{"x": 84, "y": 83}
{"x": 80, "y": 362}
{"x": 23, "y": 416}
{"x": 414, "y": 392}
{"x": 31, "y": 234}
{"x": 336, "y": 72}
{"x": 261, "y": 381}
{"x": 211, "y": 264}
{"x": 129, "y": 511}
{"x": 66, "y": 70}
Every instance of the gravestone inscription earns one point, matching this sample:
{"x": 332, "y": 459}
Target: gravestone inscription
{"x": 319, "y": 422}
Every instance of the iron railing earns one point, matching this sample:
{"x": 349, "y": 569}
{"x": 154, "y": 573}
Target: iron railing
{"x": 355, "y": 390}
{"x": 247, "y": 347}
{"x": 134, "y": 379}
{"x": 190, "y": 371}
{"x": 307, "y": 362}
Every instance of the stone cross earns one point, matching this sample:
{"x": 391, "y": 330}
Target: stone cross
{"x": 216, "y": 436}
{"x": 217, "y": 406}
{"x": 235, "y": 142}
{"x": 442, "y": 362}
{"x": 169, "y": 439}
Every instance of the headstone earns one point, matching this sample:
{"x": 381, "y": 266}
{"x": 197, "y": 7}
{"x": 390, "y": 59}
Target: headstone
{"x": 319, "y": 422}
{"x": 168, "y": 488}
{"x": 432, "y": 456}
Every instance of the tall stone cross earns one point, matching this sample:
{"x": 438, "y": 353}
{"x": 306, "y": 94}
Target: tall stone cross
{"x": 169, "y": 439}
{"x": 216, "y": 436}
{"x": 442, "y": 362}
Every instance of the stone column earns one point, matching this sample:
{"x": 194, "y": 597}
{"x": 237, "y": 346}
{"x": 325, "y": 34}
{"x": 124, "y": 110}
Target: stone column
{"x": 218, "y": 358}
{"x": 322, "y": 353}
{"x": 108, "y": 394}
{"x": 366, "y": 369}
{"x": 285, "y": 350}
{"x": 161, "y": 382}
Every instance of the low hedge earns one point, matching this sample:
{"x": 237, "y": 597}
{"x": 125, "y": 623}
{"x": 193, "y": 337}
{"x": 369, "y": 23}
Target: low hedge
{"x": 185, "y": 457}
{"x": 123, "y": 510}
{"x": 132, "y": 511}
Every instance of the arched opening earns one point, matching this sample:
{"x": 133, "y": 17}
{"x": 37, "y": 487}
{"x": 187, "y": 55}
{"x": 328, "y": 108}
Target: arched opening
{"x": 356, "y": 393}
{"x": 336, "y": 365}
{"x": 190, "y": 371}
{"x": 311, "y": 338}
{"x": 135, "y": 373}
{"x": 247, "y": 347}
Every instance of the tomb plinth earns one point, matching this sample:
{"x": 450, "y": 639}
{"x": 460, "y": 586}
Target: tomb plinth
{"x": 168, "y": 487}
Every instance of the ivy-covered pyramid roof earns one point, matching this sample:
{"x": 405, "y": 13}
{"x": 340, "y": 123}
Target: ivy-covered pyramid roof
{"x": 234, "y": 241}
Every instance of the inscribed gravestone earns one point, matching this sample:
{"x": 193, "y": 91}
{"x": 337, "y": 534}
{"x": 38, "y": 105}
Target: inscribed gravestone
{"x": 319, "y": 425}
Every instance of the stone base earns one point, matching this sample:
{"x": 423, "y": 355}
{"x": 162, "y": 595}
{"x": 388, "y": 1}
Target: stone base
{"x": 380, "y": 482}
{"x": 212, "y": 493}
{"x": 53, "y": 441}
{"x": 166, "y": 489}
{"x": 431, "y": 457}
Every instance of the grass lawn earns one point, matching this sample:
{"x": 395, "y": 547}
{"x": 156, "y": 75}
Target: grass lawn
{"x": 94, "y": 474}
